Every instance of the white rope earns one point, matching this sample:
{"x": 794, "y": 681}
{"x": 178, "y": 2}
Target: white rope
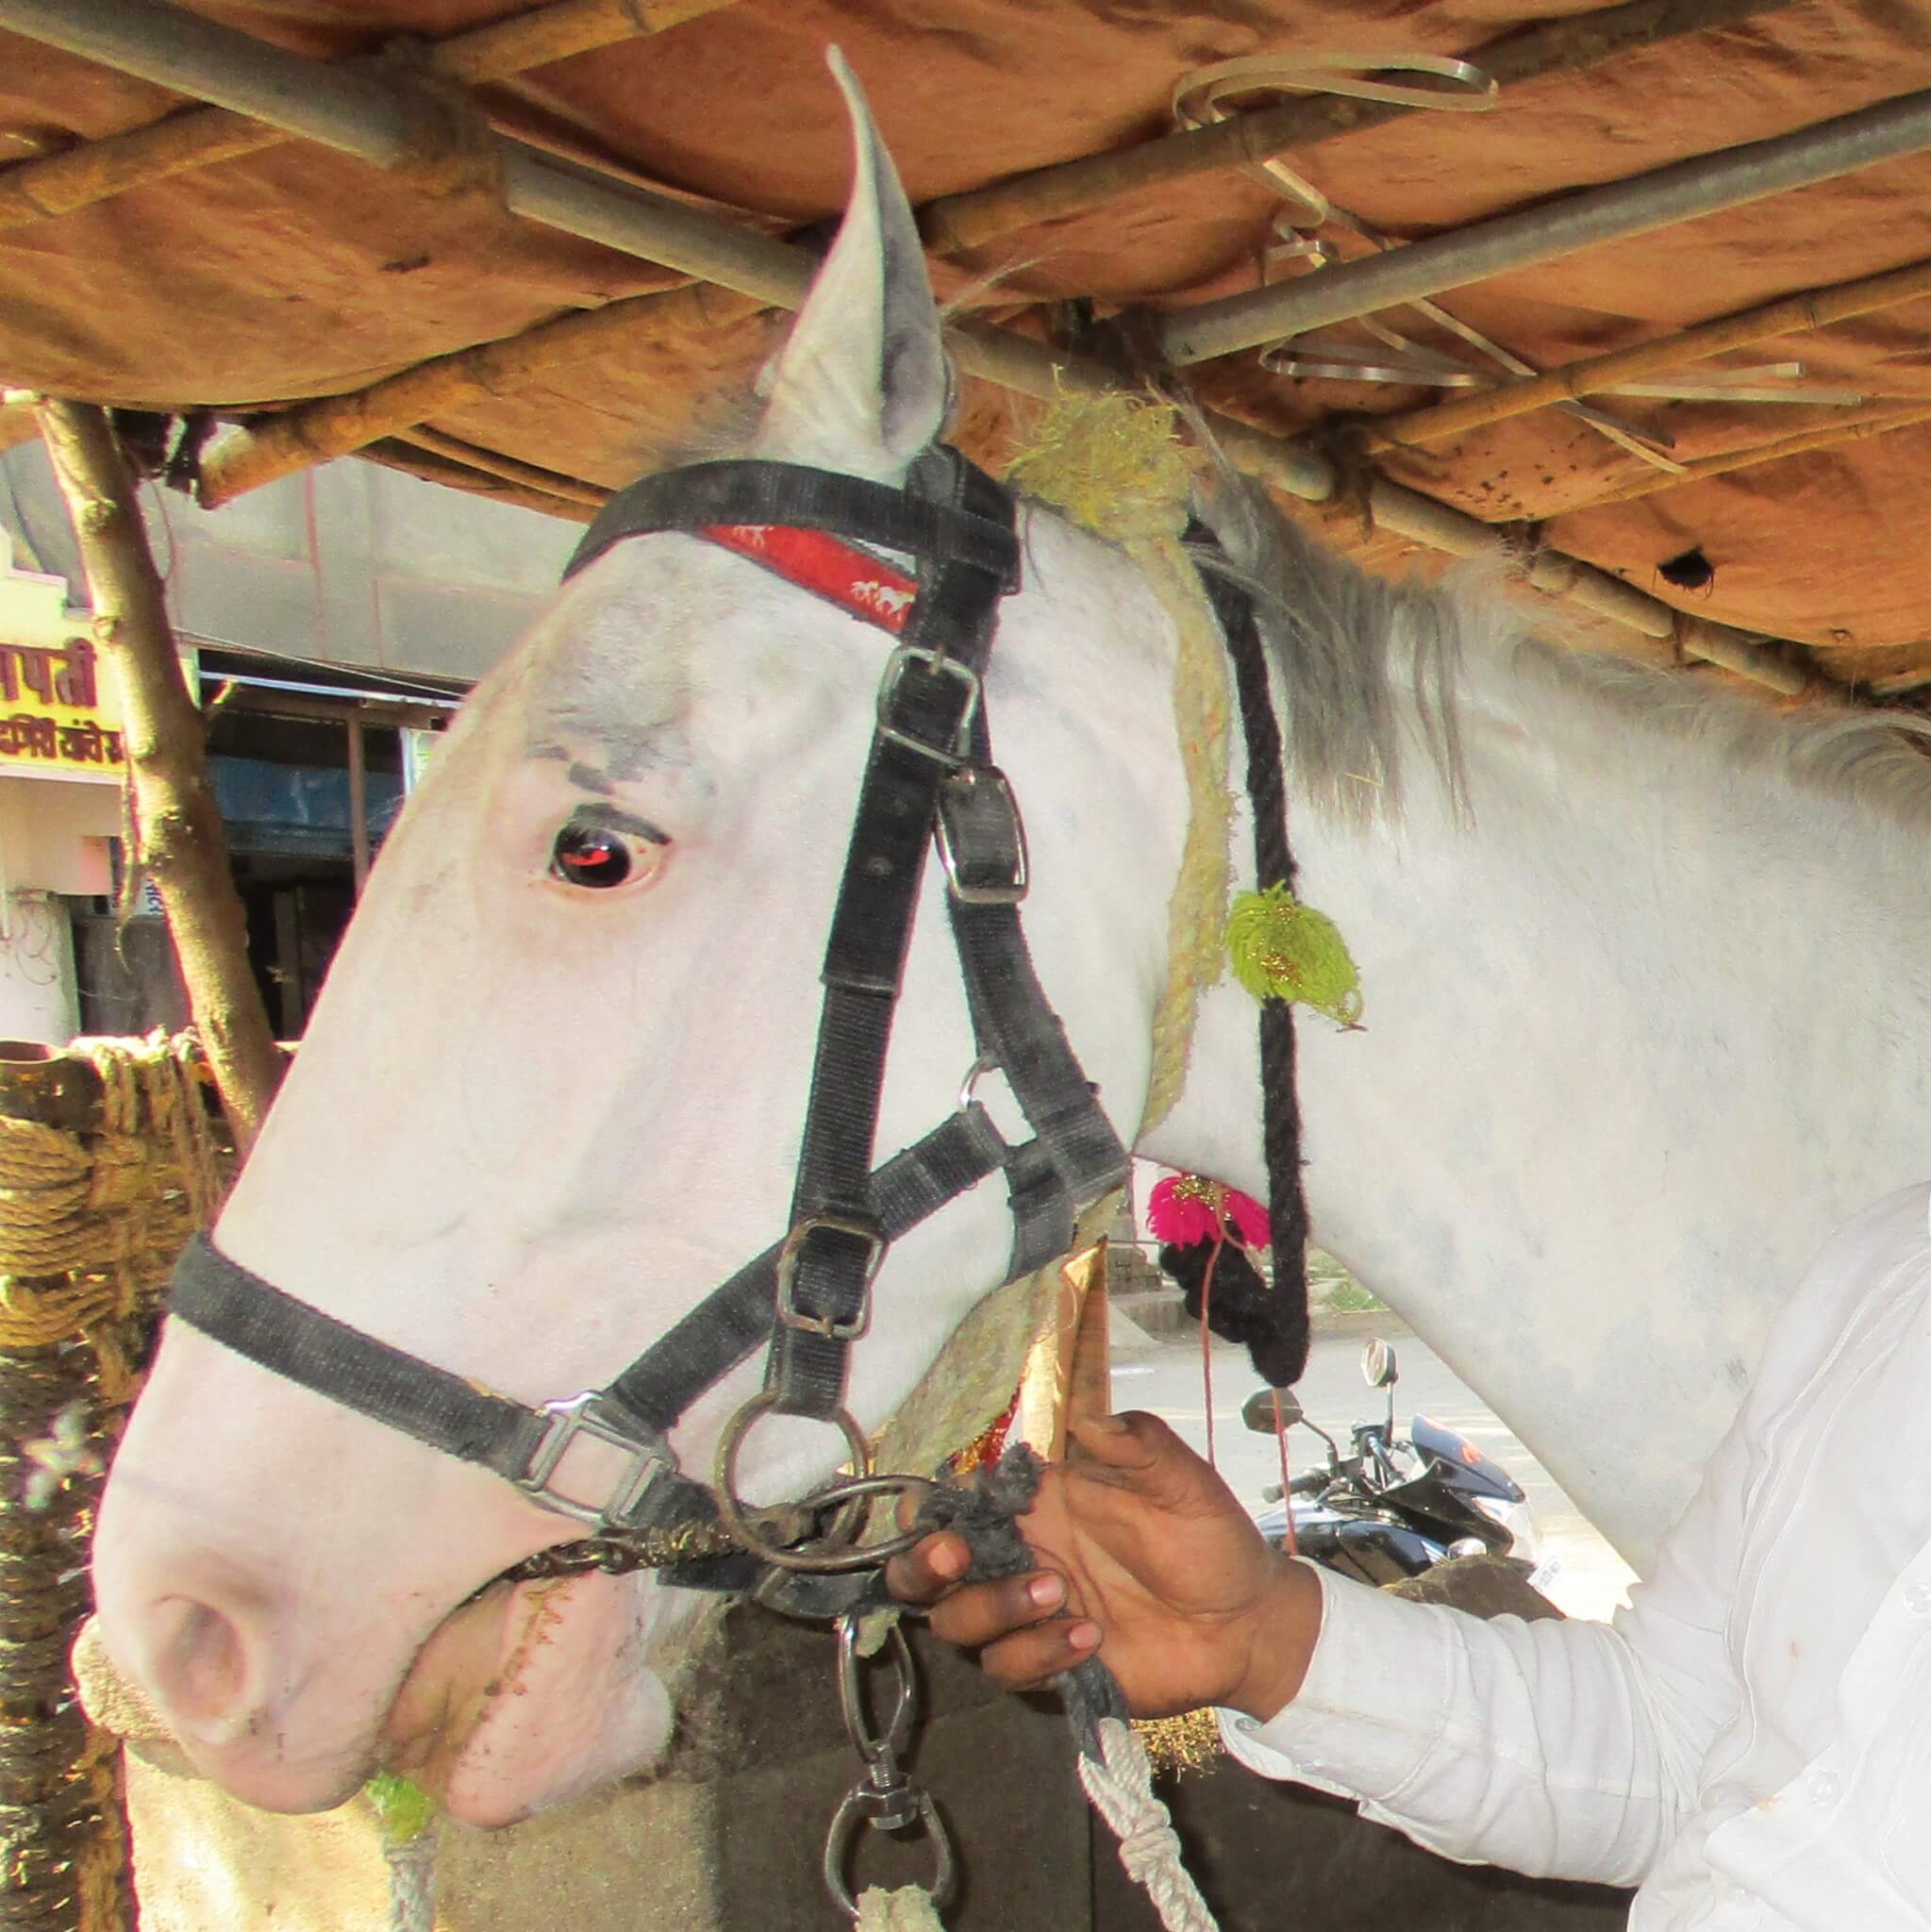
{"x": 907, "y": 1909}
{"x": 1122, "y": 1790}
{"x": 412, "y": 1882}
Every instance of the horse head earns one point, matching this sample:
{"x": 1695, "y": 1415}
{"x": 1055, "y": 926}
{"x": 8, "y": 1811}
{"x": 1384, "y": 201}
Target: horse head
{"x": 553, "y": 1092}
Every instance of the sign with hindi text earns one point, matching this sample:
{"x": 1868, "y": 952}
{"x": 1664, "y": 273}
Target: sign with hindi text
{"x": 51, "y": 712}
{"x": 55, "y": 720}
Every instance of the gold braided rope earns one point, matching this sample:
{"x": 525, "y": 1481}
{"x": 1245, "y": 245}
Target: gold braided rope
{"x": 90, "y": 1225}
{"x": 1116, "y": 465}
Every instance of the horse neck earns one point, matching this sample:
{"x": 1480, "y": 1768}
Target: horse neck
{"x": 1640, "y": 1033}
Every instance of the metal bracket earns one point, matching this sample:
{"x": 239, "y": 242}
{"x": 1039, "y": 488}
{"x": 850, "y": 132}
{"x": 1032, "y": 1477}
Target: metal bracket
{"x": 593, "y": 1414}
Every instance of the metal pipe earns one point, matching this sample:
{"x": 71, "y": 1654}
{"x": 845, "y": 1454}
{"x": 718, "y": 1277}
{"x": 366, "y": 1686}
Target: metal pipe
{"x": 357, "y": 115}
{"x": 99, "y": 170}
{"x": 1680, "y": 192}
{"x": 1573, "y": 45}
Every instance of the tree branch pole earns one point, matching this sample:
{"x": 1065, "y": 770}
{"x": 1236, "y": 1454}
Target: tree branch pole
{"x": 178, "y": 827}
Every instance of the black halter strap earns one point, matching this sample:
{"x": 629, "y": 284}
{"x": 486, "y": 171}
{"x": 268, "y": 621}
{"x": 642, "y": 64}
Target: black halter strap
{"x": 928, "y": 779}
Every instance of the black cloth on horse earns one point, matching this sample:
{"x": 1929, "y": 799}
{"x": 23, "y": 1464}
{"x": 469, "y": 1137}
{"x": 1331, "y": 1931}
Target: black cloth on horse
{"x": 1241, "y": 1305}
{"x": 1282, "y": 1323}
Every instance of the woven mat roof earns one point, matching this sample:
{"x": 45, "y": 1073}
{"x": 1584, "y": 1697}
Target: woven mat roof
{"x": 298, "y": 272}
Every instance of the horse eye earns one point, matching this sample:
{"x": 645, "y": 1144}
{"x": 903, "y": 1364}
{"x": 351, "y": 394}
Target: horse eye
{"x": 590, "y": 856}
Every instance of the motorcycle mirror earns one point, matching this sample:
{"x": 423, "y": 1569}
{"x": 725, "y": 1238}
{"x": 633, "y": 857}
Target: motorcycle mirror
{"x": 1258, "y": 1411}
{"x": 1379, "y": 1368}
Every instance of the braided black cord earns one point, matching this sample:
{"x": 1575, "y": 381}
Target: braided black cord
{"x": 1278, "y": 1355}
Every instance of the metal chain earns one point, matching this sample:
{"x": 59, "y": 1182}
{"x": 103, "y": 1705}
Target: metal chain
{"x": 886, "y": 1797}
{"x": 623, "y": 1555}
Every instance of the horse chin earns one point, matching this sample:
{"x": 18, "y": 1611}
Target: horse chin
{"x": 530, "y": 1694}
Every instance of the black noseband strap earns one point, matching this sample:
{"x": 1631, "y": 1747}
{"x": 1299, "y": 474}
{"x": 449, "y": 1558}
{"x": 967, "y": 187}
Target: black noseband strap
{"x": 747, "y": 491}
{"x": 296, "y": 1339}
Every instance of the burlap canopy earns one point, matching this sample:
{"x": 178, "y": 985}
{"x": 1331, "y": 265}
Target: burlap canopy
{"x": 297, "y": 273}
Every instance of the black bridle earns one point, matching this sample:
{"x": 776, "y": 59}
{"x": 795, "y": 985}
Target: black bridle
{"x": 929, "y": 782}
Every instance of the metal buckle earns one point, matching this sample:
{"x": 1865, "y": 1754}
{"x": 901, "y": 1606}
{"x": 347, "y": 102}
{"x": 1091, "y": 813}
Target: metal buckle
{"x": 788, "y": 1255}
{"x": 936, "y": 665}
{"x": 586, "y": 1415}
{"x": 981, "y": 790}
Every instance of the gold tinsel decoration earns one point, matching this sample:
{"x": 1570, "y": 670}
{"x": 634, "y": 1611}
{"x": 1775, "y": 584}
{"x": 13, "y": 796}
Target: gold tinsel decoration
{"x": 1190, "y": 1741}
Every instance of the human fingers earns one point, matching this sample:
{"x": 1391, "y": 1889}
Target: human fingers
{"x": 982, "y": 1613}
{"x": 1140, "y": 1452}
{"x": 1028, "y": 1659}
{"x": 925, "y": 1572}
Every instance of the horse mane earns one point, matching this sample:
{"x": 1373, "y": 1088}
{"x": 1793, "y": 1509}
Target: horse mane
{"x": 1346, "y": 644}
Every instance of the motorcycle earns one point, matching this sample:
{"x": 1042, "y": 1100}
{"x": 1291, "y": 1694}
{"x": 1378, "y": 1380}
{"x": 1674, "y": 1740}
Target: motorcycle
{"x": 1395, "y": 1506}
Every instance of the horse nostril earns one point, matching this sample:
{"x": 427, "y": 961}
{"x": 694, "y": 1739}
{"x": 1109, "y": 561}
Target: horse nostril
{"x": 199, "y": 1669}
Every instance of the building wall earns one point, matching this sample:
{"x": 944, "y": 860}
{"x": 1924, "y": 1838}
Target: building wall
{"x": 349, "y": 564}
{"x": 37, "y": 980}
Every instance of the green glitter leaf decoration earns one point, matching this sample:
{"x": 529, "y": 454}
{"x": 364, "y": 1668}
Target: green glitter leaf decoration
{"x": 1283, "y": 950}
{"x": 403, "y": 1810}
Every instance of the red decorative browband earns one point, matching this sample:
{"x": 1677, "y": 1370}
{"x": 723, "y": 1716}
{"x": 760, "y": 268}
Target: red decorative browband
{"x": 853, "y": 580}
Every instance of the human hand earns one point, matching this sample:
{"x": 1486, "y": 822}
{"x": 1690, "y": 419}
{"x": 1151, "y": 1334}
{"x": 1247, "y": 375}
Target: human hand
{"x": 1144, "y": 1555}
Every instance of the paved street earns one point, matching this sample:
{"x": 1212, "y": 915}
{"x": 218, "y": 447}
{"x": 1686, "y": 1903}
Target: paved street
{"x": 1164, "y": 1376}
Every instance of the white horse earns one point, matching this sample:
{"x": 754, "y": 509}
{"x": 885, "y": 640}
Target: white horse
{"x": 1645, "y": 1018}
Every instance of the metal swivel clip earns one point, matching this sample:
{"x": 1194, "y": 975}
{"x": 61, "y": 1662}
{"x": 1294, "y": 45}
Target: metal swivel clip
{"x": 886, "y": 1798}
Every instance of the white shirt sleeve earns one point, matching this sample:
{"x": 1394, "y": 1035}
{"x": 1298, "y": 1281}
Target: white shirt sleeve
{"x": 1563, "y": 1749}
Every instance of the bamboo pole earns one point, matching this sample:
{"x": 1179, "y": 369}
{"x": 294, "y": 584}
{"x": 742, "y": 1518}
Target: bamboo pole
{"x": 393, "y": 454}
{"x": 1857, "y": 430}
{"x": 359, "y": 113}
{"x": 199, "y": 137}
{"x": 18, "y": 424}
{"x": 180, "y": 839}
{"x": 1789, "y": 315}
{"x": 979, "y": 215}
{"x": 1659, "y": 198}
{"x": 1749, "y": 656}
{"x": 528, "y": 475}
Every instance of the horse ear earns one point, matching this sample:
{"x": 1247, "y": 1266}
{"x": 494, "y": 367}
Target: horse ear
{"x": 860, "y": 386}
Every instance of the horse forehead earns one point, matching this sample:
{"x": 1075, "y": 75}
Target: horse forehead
{"x": 663, "y": 629}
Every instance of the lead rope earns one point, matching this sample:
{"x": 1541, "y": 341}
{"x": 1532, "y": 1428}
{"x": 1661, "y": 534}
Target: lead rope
{"x": 1114, "y": 1770}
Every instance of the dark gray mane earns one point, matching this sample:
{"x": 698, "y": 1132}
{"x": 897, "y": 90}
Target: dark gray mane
{"x": 1349, "y": 647}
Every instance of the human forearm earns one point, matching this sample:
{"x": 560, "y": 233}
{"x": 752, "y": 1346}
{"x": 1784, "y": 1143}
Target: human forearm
{"x": 1536, "y": 1747}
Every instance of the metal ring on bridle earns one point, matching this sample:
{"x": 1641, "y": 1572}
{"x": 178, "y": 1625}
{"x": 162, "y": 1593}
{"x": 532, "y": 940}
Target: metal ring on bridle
{"x": 846, "y": 1494}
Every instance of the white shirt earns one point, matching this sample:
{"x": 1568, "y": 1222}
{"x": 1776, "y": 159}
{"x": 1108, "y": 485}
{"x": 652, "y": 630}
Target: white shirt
{"x": 1751, "y": 1741}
